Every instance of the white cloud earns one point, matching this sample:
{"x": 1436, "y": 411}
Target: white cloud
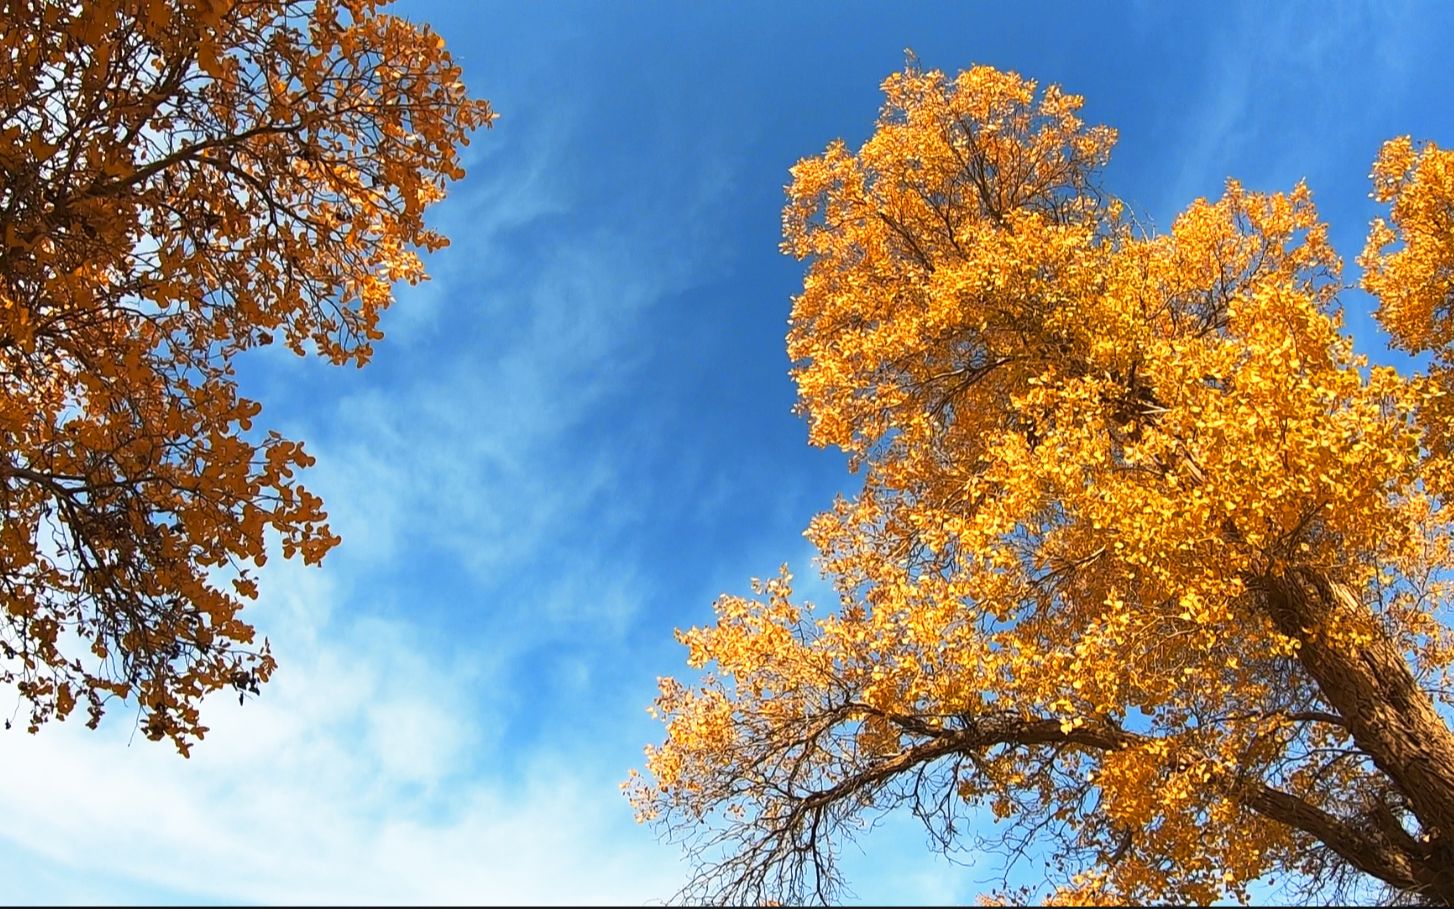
{"x": 1280, "y": 87}
{"x": 366, "y": 774}
{"x": 385, "y": 762}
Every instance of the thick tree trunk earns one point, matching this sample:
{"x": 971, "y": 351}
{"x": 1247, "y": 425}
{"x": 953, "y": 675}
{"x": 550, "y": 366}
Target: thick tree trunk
{"x": 1388, "y": 715}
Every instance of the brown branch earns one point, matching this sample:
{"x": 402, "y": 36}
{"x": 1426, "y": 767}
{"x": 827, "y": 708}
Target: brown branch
{"x": 1401, "y": 862}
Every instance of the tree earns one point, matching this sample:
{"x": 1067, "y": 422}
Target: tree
{"x": 1147, "y": 566}
{"x": 182, "y": 181}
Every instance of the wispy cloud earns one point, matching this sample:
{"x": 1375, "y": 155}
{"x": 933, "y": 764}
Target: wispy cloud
{"x": 397, "y": 754}
{"x": 356, "y": 779}
{"x": 1285, "y": 89}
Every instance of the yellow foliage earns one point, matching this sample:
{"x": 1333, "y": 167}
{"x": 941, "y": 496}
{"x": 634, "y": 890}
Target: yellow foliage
{"x": 1097, "y": 467}
{"x": 184, "y": 180}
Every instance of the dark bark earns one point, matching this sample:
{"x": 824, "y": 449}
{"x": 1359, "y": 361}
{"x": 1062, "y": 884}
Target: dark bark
{"x": 1389, "y": 717}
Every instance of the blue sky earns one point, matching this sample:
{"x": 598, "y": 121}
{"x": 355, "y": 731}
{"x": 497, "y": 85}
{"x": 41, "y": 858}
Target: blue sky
{"x": 579, "y": 433}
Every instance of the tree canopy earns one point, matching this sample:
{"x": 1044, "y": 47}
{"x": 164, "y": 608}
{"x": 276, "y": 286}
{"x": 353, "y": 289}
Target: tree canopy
{"x": 1148, "y": 573}
{"x": 182, "y": 181}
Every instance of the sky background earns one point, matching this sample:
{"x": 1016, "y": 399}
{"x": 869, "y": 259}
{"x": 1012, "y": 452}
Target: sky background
{"x": 579, "y": 433}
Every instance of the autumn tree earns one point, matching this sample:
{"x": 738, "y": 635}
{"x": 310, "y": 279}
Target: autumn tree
{"x": 1148, "y": 573}
{"x": 182, "y": 181}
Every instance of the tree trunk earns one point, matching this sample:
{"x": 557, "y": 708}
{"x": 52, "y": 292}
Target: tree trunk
{"x": 1388, "y": 715}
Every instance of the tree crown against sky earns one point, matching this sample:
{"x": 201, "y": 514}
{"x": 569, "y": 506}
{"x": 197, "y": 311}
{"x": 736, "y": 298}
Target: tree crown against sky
{"x": 182, "y": 182}
{"x": 311, "y": 803}
{"x": 1146, "y": 561}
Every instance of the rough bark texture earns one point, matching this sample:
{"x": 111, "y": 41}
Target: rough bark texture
{"x": 1388, "y": 715}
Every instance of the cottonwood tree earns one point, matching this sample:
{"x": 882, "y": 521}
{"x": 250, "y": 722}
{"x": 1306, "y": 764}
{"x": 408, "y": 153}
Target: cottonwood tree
{"x": 182, "y": 181}
{"x": 1149, "y": 571}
